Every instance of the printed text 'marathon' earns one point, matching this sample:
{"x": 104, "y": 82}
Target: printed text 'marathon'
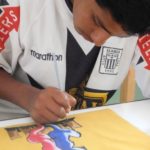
{"x": 47, "y": 56}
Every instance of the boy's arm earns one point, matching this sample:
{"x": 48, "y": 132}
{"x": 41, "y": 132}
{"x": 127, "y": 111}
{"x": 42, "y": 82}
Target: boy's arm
{"x": 44, "y": 106}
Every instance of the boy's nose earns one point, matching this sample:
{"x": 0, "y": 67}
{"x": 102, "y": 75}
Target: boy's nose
{"x": 99, "y": 37}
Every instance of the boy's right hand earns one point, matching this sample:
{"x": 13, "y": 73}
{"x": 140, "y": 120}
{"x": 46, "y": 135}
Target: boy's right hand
{"x": 49, "y": 105}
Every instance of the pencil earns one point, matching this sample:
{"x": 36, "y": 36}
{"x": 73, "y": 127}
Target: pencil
{"x": 57, "y": 74}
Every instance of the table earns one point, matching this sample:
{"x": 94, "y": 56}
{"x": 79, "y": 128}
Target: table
{"x": 136, "y": 112}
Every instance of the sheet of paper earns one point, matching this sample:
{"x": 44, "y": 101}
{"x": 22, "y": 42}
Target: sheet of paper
{"x": 102, "y": 129}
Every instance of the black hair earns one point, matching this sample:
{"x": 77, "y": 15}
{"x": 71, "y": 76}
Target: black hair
{"x": 3, "y": 2}
{"x": 132, "y": 15}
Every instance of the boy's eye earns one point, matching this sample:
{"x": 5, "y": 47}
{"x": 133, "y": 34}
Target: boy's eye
{"x": 96, "y": 21}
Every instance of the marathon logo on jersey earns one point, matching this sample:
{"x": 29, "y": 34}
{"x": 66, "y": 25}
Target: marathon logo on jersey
{"x": 46, "y": 56}
{"x": 9, "y": 20}
{"x": 110, "y": 60}
{"x": 144, "y": 45}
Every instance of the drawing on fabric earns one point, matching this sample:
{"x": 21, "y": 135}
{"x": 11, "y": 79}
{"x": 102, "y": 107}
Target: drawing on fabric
{"x": 36, "y": 137}
{"x": 49, "y": 136}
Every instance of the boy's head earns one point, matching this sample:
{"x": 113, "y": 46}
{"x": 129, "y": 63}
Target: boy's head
{"x": 133, "y": 15}
{"x": 97, "y": 20}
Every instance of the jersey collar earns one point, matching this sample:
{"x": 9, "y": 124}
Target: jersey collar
{"x": 69, "y": 4}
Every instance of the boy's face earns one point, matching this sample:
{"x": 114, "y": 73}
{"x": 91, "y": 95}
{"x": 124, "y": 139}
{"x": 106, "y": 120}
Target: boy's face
{"x": 94, "y": 23}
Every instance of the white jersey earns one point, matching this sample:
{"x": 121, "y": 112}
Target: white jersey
{"x": 37, "y": 35}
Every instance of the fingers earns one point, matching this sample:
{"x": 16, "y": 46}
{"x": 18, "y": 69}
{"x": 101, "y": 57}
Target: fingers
{"x": 51, "y": 105}
{"x": 45, "y": 116}
{"x": 63, "y": 98}
{"x": 56, "y": 109}
{"x": 71, "y": 99}
{"x": 47, "y": 111}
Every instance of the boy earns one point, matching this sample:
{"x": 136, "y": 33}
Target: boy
{"x": 48, "y": 46}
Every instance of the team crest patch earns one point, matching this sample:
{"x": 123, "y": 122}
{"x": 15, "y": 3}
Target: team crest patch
{"x": 110, "y": 60}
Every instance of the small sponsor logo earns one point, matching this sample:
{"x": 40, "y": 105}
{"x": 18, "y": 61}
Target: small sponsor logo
{"x": 144, "y": 45}
{"x": 46, "y": 56}
{"x": 110, "y": 60}
{"x": 9, "y": 20}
